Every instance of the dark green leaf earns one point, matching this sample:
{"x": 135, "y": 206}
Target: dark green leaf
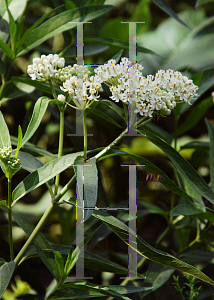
{"x": 39, "y": 85}
{"x": 2, "y": 67}
{"x": 36, "y": 24}
{"x": 113, "y": 106}
{"x": 204, "y": 146}
{"x": 156, "y": 276}
{"x": 123, "y": 231}
{"x": 6, "y": 272}
{"x": 60, "y": 262}
{"x": 19, "y": 143}
{"x": 183, "y": 166}
{"x": 13, "y": 29}
{"x": 15, "y": 90}
{"x": 202, "y": 2}
{"x": 3, "y": 202}
{"x": 88, "y": 50}
{"x": 38, "y": 113}
{"x": 188, "y": 209}
{"x": 68, "y": 291}
{"x": 42, "y": 246}
{"x": 43, "y": 174}
{"x": 4, "y": 133}
{"x": 211, "y": 135}
{"x": 104, "y": 116}
{"x": 195, "y": 116}
{"x": 60, "y": 23}
{"x": 32, "y": 148}
{"x": 152, "y": 169}
{"x": 86, "y": 172}
{"x": 117, "y": 43}
{"x": 6, "y": 49}
{"x": 162, "y": 4}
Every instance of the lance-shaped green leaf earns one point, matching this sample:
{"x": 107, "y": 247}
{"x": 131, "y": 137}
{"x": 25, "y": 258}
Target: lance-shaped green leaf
{"x": 88, "y": 290}
{"x": 42, "y": 246}
{"x": 4, "y": 133}
{"x": 62, "y": 22}
{"x": 142, "y": 247}
{"x": 153, "y": 169}
{"x": 184, "y": 167}
{"x": 36, "y": 24}
{"x": 195, "y": 115}
{"x": 87, "y": 184}
{"x": 43, "y": 174}
{"x": 163, "y": 5}
{"x": 19, "y": 143}
{"x": 6, "y": 49}
{"x": 38, "y": 113}
{"x": 211, "y": 135}
{"x": 6, "y": 272}
{"x": 118, "y": 43}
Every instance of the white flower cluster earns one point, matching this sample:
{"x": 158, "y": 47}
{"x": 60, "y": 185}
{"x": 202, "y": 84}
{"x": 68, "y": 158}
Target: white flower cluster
{"x": 151, "y": 95}
{"x": 7, "y": 157}
{"x": 44, "y": 68}
{"x": 83, "y": 91}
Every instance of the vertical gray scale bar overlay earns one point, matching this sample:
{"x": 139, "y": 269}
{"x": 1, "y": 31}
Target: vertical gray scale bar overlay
{"x": 132, "y": 57}
{"x": 132, "y": 127}
{"x": 132, "y": 254}
{"x": 80, "y": 222}
{"x": 132, "y": 241}
{"x": 80, "y": 61}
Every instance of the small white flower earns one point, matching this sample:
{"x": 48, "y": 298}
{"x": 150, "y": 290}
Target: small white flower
{"x": 61, "y": 98}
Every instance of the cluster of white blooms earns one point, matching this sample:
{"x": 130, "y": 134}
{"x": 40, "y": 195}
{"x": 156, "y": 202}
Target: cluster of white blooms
{"x": 83, "y": 90}
{"x": 67, "y": 72}
{"x": 150, "y": 95}
{"x": 7, "y": 157}
{"x": 174, "y": 82}
{"x": 44, "y": 68}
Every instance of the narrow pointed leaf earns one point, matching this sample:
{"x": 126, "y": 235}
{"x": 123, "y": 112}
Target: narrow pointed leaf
{"x": 19, "y": 143}
{"x": 6, "y": 49}
{"x": 6, "y": 272}
{"x": 68, "y": 291}
{"x": 142, "y": 247}
{"x": 87, "y": 173}
{"x": 43, "y": 174}
{"x": 117, "y": 43}
{"x": 183, "y": 166}
{"x": 194, "y": 117}
{"x": 211, "y": 135}
{"x": 4, "y": 133}
{"x": 164, "y": 6}
{"x": 42, "y": 246}
{"x": 38, "y": 113}
{"x": 36, "y": 24}
{"x": 153, "y": 169}
{"x": 62, "y": 22}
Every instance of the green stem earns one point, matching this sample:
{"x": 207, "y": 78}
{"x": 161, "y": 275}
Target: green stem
{"x": 10, "y": 220}
{"x": 33, "y": 234}
{"x": 110, "y": 146}
{"x": 119, "y": 138}
{"x": 85, "y": 134}
{"x": 52, "y": 89}
{"x": 42, "y": 221}
{"x": 126, "y": 112}
{"x": 61, "y": 133}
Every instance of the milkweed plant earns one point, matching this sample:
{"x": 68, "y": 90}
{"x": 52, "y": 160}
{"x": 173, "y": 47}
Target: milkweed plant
{"x": 138, "y": 100}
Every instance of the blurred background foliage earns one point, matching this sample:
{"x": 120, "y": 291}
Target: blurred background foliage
{"x": 188, "y": 49}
